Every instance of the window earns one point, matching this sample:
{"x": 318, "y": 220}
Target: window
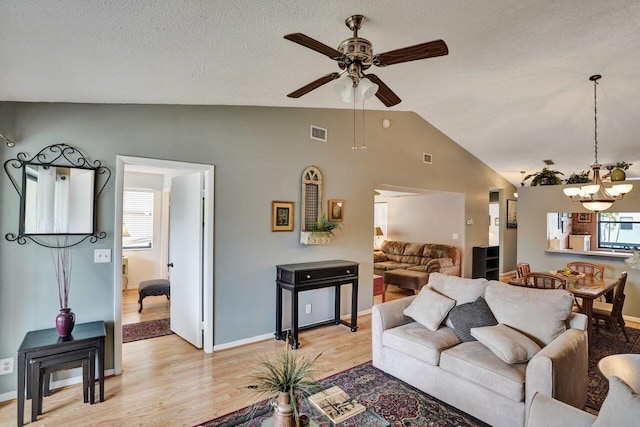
{"x": 618, "y": 231}
{"x": 137, "y": 217}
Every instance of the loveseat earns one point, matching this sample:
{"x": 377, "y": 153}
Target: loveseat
{"x": 485, "y": 347}
{"x": 408, "y": 264}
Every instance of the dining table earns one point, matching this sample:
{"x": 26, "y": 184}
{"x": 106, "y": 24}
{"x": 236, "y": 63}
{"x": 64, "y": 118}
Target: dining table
{"x": 589, "y": 290}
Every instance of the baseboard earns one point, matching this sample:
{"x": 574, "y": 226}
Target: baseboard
{"x": 631, "y": 319}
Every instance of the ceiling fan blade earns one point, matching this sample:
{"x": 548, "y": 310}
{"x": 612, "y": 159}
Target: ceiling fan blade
{"x": 411, "y": 53}
{"x": 307, "y": 41}
{"x": 384, "y": 94}
{"x": 313, "y": 85}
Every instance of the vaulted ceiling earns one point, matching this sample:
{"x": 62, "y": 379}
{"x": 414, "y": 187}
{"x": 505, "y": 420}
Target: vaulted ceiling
{"x": 513, "y": 91}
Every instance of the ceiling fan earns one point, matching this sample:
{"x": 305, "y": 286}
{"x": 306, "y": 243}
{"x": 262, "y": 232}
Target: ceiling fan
{"x": 355, "y": 55}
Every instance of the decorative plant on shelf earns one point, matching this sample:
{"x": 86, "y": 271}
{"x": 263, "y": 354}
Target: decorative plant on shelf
{"x": 545, "y": 177}
{"x": 618, "y": 173}
{"x": 578, "y": 178}
{"x": 289, "y": 377}
{"x": 325, "y": 225}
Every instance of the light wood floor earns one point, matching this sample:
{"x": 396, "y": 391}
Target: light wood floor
{"x": 153, "y": 308}
{"x": 167, "y": 382}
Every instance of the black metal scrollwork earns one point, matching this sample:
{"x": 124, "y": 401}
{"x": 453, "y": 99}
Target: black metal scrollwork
{"x": 58, "y": 155}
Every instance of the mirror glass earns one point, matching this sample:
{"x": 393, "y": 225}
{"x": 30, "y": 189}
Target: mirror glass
{"x": 58, "y": 200}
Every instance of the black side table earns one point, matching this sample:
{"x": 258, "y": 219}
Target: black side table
{"x": 46, "y": 345}
{"x": 302, "y": 277}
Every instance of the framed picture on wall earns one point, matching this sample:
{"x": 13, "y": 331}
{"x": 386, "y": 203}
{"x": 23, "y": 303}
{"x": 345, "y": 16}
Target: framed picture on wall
{"x": 584, "y": 217}
{"x": 281, "y": 216}
{"x": 336, "y": 210}
{"x": 512, "y": 214}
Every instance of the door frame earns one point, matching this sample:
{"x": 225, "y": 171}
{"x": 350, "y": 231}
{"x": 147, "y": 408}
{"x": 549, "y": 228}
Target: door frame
{"x": 207, "y": 249}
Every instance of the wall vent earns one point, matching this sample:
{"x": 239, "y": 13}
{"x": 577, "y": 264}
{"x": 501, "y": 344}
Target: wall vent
{"x": 427, "y": 158}
{"x": 319, "y": 134}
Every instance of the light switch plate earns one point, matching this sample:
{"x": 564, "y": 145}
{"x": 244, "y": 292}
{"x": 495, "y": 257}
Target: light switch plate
{"x": 102, "y": 255}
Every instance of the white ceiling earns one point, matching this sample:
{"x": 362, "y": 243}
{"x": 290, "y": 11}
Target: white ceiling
{"x": 514, "y": 89}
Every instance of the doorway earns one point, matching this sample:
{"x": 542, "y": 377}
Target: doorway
{"x": 204, "y": 290}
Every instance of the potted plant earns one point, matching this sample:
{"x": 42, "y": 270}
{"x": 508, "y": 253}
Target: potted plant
{"x": 286, "y": 378}
{"x": 545, "y": 177}
{"x": 320, "y": 232}
{"x": 618, "y": 173}
{"x": 578, "y": 178}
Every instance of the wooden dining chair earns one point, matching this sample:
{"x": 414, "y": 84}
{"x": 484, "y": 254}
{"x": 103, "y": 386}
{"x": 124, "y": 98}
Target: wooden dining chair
{"x": 522, "y": 269}
{"x": 589, "y": 269}
{"x": 611, "y": 314}
{"x": 544, "y": 281}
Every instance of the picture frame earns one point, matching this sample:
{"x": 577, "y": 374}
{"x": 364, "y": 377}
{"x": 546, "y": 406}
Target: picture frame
{"x": 282, "y": 216}
{"x": 512, "y": 213}
{"x": 584, "y": 217}
{"x": 336, "y": 210}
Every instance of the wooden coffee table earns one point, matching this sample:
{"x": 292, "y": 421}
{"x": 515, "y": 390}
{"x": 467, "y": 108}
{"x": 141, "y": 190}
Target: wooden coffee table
{"x": 624, "y": 366}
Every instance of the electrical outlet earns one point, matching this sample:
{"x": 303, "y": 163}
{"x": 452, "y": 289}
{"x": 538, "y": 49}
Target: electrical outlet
{"x": 6, "y": 366}
{"x": 307, "y": 309}
{"x": 101, "y": 255}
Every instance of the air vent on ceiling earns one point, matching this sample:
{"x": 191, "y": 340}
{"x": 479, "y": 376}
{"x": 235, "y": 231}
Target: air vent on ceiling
{"x": 427, "y": 158}
{"x": 319, "y": 134}
{"x": 548, "y": 162}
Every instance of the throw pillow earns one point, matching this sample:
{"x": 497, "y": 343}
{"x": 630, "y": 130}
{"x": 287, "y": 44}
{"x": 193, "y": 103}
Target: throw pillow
{"x": 471, "y": 315}
{"x": 506, "y": 343}
{"x": 429, "y": 308}
{"x": 621, "y": 407}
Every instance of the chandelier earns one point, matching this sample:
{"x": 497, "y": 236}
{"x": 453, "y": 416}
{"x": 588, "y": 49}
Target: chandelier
{"x": 595, "y": 196}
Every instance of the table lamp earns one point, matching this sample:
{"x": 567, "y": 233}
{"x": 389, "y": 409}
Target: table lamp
{"x": 378, "y": 233}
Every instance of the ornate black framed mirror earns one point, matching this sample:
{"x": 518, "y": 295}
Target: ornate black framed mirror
{"x": 59, "y": 190}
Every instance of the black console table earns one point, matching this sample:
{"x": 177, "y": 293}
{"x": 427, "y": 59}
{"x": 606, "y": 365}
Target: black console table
{"x": 45, "y": 347}
{"x": 302, "y": 277}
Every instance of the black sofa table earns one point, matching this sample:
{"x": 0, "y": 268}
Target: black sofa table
{"x": 45, "y": 346}
{"x": 302, "y": 277}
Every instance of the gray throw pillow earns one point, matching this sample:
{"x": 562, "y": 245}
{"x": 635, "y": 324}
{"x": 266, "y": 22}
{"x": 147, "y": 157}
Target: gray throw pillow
{"x": 471, "y": 315}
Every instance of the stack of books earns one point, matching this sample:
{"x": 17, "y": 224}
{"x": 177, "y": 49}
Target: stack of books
{"x": 336, "y": 404}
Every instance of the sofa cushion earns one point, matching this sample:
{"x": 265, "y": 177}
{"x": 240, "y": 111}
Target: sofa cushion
{"x": 429, "y": 308}
{"x": 457, "y": 288}
{"x": 538, "y": 313}
{"x": 390, "y": 265}
{"x": 471, "y": 315}
{"x": 508, "y": 344}
{"x": 476, "y": 363}
{"x": 419, "y": 342}
{"x": 621, "y": 407}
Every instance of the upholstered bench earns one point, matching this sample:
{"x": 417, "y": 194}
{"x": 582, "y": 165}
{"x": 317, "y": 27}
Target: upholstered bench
{"x": 154, "y": 287}
{"x": 407, "y": 279}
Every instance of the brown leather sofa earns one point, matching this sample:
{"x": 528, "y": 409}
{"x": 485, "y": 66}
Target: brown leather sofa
{"x": 408, "y": 265}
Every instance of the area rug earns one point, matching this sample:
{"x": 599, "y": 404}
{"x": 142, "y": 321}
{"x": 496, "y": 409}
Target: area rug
{"x": 403, "y": 405}
{"x": 145, "y": 330}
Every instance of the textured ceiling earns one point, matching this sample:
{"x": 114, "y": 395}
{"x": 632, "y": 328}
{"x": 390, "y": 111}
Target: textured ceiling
{"x": 514, "y": 89}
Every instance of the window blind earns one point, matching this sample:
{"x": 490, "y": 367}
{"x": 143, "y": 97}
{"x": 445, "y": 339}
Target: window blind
{"x": 137, "y": 216}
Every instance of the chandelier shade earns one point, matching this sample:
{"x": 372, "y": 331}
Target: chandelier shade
{"x": 595, "y": 196}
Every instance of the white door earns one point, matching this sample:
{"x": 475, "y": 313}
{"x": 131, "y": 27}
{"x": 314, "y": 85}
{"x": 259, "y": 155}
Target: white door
{"x": 185, "y": 257}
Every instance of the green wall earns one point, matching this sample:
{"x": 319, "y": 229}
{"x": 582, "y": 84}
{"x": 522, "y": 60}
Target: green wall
{"x": 259, "y": 154}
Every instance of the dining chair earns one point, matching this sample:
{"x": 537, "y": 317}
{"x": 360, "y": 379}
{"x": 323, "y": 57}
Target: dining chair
{"x": 544, "y": 281}
{"x": 611, "y": 314}
{"x": 589, "y": 269}
{"x": 522, "y": 269}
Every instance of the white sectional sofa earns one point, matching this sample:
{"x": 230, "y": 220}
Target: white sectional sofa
{"x": 490, "y": 380}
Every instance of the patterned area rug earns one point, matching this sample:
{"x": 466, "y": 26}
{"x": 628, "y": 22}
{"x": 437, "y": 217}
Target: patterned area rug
{"x": 405, "y": 406}
{"x": 144, "y": 330}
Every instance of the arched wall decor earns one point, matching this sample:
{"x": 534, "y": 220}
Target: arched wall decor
{"x": 311, "y": 205}
{"x": 58, "y": 190}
